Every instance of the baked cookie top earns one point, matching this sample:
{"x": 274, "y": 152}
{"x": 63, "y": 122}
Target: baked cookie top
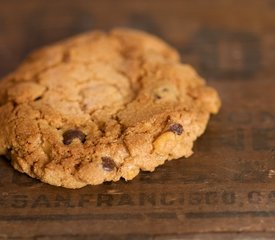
{"x": 101, "y": 106}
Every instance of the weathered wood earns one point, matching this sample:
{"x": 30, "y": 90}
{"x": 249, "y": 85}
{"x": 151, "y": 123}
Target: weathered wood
{"x": 225, "y": 188}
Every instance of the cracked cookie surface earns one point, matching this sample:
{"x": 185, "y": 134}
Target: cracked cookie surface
{"x": 101, "y": 106}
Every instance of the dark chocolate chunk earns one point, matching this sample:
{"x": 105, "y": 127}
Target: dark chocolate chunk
{"x": 157, "y": 96}
{"x": 66, "y": 57}
{"x": 176, "y": 128}
{"x": 38, "y": 98}
{"x": 108, "y": 164}
{"x": 77, "y": 166}
{"x": 71, "y": 134}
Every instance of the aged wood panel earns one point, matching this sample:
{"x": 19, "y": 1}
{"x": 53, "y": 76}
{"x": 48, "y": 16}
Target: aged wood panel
{"x": 226, "y": 190}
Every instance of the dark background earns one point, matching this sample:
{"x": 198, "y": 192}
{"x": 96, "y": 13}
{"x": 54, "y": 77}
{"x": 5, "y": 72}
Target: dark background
{"x": 198, "y": 29}
{"x": 226, "y": 190}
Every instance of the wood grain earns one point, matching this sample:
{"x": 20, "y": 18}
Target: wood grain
{"x": 226, "y": 190}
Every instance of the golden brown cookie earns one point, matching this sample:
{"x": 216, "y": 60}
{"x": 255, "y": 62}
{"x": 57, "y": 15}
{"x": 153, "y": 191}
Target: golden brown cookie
{"x": 101, "y": 106}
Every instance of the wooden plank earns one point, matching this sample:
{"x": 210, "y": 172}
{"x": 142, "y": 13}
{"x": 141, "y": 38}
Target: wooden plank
{"x": 225, "y": 190}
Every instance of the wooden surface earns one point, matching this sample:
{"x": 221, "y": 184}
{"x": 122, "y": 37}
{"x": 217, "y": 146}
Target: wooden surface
{"x": 226, "y": 190}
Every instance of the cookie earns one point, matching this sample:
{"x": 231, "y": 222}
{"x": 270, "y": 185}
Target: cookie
{"x": 101, "y": 106}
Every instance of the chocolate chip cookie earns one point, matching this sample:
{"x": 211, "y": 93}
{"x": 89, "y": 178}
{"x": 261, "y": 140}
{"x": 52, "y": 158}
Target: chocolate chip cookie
{"x": 101, "y": 106}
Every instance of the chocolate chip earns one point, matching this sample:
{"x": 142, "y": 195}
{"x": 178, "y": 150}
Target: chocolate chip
{"x": 157, "y": 96}
{"x": 176, "y": 128}
{"x": 71, "y": 134}
{"x": 108, "y": 164}
{"x": 38, "y": 98}
{"x": 77, "y": 166}
{"x": 66, "y": 57}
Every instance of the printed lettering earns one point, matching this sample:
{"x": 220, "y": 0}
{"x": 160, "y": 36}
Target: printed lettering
{"x": 240, "y": 117}
{"x": 227, "y": 54}
{"x": 125, "y": 199}
{"x": 167, "y": 199}
{"x": 230, "y": 139}
{"x": 228, "y": 197}
{"x": 147, "y": 198}
{"x": 19, "y": 201}
{"x": 263, "y": 139}
{"x": 84, "y": 200}
{"x": 266, "y": 117}
{"x": 41, "y": 201}
{"x": 211, "y": 198}
{"x": 271, "y": 196}
{"x": 195, "y": 198}
{"x": 104, "y": 199}
{"x": 255, "y": 197}
{"x": 63, "y": 201}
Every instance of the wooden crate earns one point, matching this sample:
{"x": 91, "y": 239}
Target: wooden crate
{"x": 226, "y": 190}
